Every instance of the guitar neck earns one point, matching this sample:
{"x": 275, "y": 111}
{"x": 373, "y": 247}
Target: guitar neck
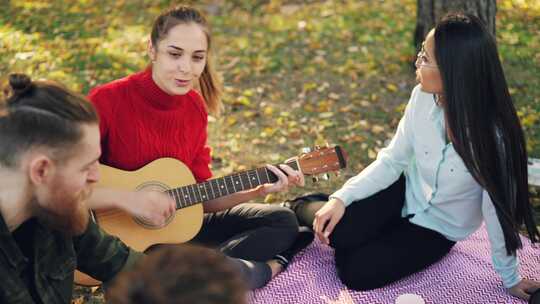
{"x": 201, "y": 192}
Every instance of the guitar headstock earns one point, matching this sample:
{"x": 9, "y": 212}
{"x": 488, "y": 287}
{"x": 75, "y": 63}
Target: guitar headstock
{"x": 322, "y": 160}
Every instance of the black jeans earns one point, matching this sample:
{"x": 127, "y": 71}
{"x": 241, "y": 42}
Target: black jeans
{"x": 375, "y": 246}
{"x": 250, "y": 234}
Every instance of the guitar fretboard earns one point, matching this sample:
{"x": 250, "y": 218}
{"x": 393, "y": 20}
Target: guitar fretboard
{"x": 197, "y": 193}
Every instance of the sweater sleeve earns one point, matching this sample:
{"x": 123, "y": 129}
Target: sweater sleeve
{"x": 101, "y": 102}
{"x": 200, "y": 166}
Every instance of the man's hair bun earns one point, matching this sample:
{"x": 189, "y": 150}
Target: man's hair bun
{"x": 19, "y": 83}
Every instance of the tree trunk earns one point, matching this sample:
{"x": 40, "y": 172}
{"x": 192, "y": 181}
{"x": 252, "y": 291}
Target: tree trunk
{"x": 431, "y": 11}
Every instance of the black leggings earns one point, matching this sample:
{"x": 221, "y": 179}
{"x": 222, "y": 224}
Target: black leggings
{"x": 250, "y": 234}
{"x": 375, "y": 246}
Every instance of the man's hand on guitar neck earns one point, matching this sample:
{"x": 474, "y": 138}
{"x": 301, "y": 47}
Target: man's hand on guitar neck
{"x": 151, "y": 206}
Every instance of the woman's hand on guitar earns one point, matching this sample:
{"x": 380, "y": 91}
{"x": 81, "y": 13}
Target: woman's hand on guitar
{"x": 327, "y": 218}
{"x": 151, "y": 206}
{"x": 293, "y": 177}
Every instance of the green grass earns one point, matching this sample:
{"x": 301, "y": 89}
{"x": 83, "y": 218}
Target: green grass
{"x": 294, "y": 75}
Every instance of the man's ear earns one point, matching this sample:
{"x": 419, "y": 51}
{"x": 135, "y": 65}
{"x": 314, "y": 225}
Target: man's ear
{"x": 151, "y": 50}
{"x": 40, "y": 169}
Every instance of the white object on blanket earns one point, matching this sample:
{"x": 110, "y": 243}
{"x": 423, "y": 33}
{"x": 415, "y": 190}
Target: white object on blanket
{"x": 533, "y": 167}
{"x": 410, "y": 298}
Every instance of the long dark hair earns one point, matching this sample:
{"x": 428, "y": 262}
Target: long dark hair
{"x": 484, "y": 127}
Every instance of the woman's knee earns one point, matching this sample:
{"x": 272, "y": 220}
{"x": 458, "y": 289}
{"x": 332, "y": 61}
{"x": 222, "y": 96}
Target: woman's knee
{"x": 359, "y": 282}
{"x": 360, "y": 276}
{"x": 281, "y": 227}
{"x": 282, "y": 218}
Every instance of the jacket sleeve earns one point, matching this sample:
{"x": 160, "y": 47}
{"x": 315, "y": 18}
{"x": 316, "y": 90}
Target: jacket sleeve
{"x": 101, "y": 255}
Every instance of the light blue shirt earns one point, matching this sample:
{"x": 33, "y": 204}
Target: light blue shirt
{"x": 440, "y": 191}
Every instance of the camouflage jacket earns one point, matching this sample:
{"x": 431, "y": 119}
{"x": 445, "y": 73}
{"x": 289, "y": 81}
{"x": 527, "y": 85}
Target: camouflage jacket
{"x": 55, "y": 258}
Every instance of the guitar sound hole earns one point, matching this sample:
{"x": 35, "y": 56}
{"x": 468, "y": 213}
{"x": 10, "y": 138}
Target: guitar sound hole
{"x": 146, "y": 224}
{"x": 153, "y": 186}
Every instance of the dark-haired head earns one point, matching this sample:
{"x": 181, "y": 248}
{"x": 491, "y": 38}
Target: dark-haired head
{"x": 41, "y": 113}
{"x": 180, "y": 274}
{"x": 19, "y": 83}
{"x": 188, "y": 40}
{"x": 482, "y": 120}
{"x": 49, "y": 149}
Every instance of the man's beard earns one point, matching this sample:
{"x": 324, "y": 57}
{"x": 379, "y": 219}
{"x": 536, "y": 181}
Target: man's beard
{"x": 65, "y": 213}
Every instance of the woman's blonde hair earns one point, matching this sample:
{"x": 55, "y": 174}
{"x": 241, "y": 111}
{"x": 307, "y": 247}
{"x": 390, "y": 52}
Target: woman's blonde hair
{"x": 209, "y": 83}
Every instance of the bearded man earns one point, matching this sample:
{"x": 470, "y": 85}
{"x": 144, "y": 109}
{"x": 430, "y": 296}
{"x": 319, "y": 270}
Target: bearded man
{"x": 49, "y": 151}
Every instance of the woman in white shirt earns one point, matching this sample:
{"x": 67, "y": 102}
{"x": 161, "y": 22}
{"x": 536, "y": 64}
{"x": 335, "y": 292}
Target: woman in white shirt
{"x": 458, "y": 158}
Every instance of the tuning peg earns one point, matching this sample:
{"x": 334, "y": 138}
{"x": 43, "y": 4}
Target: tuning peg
{"x": 317, "y": 147}
{"x": 325, "y": 177}
{"x": 315, "y": 179}
{"x": 306, "y": 149}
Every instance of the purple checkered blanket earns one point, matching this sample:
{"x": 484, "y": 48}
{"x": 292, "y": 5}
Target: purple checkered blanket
{"x": 465, "y": 275}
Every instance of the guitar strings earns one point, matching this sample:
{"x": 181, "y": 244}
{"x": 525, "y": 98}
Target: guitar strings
{"x": 231, "y": 176}
{"x": 112, "y": 213}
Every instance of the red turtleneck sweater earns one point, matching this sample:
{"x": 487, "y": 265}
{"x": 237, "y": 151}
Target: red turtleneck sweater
{"x": 140, "y": 123}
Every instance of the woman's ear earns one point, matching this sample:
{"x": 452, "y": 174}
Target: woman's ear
{"x": 151, "y": 51}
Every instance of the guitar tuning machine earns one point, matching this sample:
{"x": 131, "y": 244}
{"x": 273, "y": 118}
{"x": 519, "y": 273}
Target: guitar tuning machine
{"x": 325, "y": 177}
{"x": 315, "y": 179}
{"x": 306, "y": 149}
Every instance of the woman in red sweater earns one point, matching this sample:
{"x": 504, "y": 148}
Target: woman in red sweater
{"x": 156, "y": 113}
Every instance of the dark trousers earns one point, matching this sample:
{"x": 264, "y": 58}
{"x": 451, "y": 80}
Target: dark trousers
{"x": 375, "y": 246}
{"x": 250, "y": 234}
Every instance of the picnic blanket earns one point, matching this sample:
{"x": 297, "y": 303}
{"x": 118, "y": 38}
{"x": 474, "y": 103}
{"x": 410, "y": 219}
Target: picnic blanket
{"x": 465, "y": 275}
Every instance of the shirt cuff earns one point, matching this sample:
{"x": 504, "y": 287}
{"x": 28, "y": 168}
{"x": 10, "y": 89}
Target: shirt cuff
{"x": 511, "y": 279}
{"x": 342, "y": 195}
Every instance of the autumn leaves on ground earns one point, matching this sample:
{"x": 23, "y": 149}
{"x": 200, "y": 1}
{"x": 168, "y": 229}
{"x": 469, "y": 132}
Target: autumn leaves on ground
{"x": 295, "y": 75}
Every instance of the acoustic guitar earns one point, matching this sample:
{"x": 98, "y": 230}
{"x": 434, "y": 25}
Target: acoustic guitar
{"x": 174, "y": 178}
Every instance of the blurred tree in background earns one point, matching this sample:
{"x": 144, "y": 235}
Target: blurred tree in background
{"x": 428, "y": 12}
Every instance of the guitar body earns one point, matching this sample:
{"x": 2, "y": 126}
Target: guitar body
{"x": 172, "y": 176}
{"x": 181, "y": 227}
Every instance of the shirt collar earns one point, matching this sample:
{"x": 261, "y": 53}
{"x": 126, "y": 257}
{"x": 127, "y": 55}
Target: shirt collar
{"x": 435, "y": 113}
{"x": 3, "y": 227}
{"x": 154, "y": 95}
